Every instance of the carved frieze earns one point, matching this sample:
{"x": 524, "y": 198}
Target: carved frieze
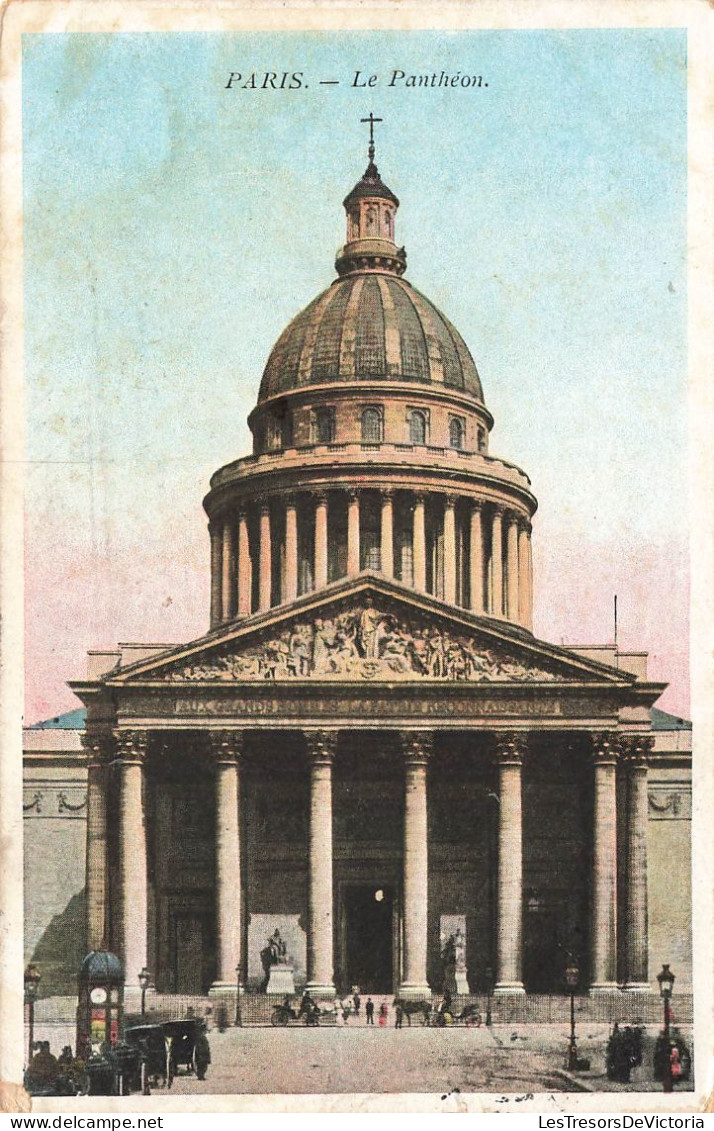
{"x": 54, "y": 801}
{"x": 364, "y": 644}
{"x": 670, "y": 803}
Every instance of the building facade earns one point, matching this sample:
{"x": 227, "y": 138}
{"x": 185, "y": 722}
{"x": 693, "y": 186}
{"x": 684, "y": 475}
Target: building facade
{"x": 369, "y": 749}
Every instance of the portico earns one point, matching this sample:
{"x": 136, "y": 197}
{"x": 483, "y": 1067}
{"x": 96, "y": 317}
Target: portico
{"x": 454, "y": 789}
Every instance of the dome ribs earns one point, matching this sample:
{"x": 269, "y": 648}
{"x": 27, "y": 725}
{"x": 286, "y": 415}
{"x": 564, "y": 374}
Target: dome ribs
{"x": 472, "y": 381}
{"x": 430, "y": 327}
{"x": 310, "y": 356}
{"x": 349, "y": 331}
{"x": 323, "y": 364}
{"x": 392, "y": 335}
{"x": 414, "y": 350}
{"x": 370, "y": 353}
{"x": 370, "y": 326}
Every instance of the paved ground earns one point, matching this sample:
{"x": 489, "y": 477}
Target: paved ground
{"x": 363, "y": 1060}
{"x": 520, "y": 1059}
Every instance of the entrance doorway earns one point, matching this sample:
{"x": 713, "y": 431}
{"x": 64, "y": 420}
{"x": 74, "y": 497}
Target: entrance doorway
{"x": 369, "y": 937}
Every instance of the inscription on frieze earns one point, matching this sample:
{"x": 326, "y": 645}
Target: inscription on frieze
{"x": 346, "y": 706}
{"x": 364, "y": 644}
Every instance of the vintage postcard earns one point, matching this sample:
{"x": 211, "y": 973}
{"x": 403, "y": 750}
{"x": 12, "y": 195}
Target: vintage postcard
{"x": 356, "y": 427}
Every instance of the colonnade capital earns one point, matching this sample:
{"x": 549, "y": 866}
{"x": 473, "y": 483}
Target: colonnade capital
{"x": 511, "y": 747}
{"x": 417, "y": 746}
{"x": 131, "y": 745}
{"x": 606, "y": 748}
{"x": 226, "y": 746}
{"x": 99, "y": 746}
{"x": 321, "y": 745}
{"x": 636, "y": 750}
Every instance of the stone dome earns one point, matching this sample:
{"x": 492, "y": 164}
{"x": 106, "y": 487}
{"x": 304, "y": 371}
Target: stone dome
{"x": 370, "y": 326}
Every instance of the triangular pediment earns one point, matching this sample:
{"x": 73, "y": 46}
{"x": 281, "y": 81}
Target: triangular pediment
{"x": 368, "y": 629}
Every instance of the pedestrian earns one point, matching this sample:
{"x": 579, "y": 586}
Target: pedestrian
{"x": 369, "y": 1011}
{"x": 357, "y": 1002}
{"x": 383, "y": 1011}
{"x": 202, "y": 1052}
{"x": 42, "y": 1071}
{"x": 398, "y": 1014}
{"x": 675, "y": 1065}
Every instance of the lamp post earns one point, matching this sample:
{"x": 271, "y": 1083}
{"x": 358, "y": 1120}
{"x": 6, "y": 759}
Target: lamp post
{"x": 144, "y": 980}
{"x": 32, "y": 984}
{"x": 666, "y": 982}
{"x": 239, "y": 1016}
{"x": 488, "y": 974}
{"x": 572, "y": 977}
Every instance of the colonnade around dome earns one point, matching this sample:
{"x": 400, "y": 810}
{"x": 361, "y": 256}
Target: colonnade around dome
{"x": 456, "y": 548}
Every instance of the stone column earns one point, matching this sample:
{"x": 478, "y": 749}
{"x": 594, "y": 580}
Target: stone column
{"x": 320, "y": 942}
{"x": 529, "y": 578}
{"x": 509, "y": 929}
{"x": 131, "y": 745}
{"x": 98, "y": 748}
{"x": 417, "y": 746}
{"x": 603, "y": 925}
{"x": 524, "y": 614}
{"x": 476, "y": 559}
{"x": 228, "y": 607}
{"x": 419, "y": 545}
{"x": 320, "y": 541}
{"x": 265, "y": 582}
{"x": 637, "y": 943}
{"x": 497, "y": 561}
{"x": 226, "y": 749}
{"x": 512, "y": 596}
{"x": 387, "y": 539}
{"x": 450, "y": 550}
{"x": 216, "y": 536}
{"x": 353, "y": 551}
{"x": 245, "y": 571}
{"x": 291, "y": 550}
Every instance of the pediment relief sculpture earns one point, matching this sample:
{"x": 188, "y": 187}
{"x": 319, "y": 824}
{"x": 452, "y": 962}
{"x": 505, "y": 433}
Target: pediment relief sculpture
{"x": 363, "y": 644}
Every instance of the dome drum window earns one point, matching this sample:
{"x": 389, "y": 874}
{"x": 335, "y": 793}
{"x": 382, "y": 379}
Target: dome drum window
{"x": 418, "y": 423}
{"x": 323, "y": 426}
{"x": 372, "y": 425}
{"x": 457, "y": 430}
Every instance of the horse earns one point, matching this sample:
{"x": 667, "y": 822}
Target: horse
{"x": 410, "y": 1008}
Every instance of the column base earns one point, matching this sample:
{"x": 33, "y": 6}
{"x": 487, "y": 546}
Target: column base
{"x": 506, "y": 989}
{"x": 414, "y": 991}
{"x": 603, "y": 988}
{"x": 223, "y": 989}
{"x": 637, "y": 988}
{"x": 321, "y": 989}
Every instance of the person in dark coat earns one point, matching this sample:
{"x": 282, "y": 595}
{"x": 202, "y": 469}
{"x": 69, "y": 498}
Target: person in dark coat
{"x": 357, "y": 1002}
{"x": 203, "y": 1053}
{"x": 369, "y": 1011}
{"x": 398, "y": 1014}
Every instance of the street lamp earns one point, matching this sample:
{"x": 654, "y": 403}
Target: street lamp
{"x": 239, "y": 1016}
{"x": 666, "y": 982}
{"x": 144, "y": 980}
{"x": 488, "y": 975}
{"x": 32, "y": 984}
{"x": 572, "y": 977}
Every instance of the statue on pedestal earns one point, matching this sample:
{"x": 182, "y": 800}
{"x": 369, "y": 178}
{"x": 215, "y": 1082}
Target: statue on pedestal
{"x": 278, "y": 968}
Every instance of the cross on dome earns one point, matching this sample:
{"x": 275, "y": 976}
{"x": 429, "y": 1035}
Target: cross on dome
{"x": 372, "y": 122}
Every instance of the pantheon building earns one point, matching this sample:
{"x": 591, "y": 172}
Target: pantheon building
{"x": 369, "y": 749}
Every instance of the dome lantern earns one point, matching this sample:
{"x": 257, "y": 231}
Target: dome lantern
{"x": 371, "y": 209}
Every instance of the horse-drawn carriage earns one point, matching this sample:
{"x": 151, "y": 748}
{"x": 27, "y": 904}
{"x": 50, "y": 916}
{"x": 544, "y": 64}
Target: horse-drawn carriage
{"x": 167, "y": 1048}
{"x": 309, "y": 1012}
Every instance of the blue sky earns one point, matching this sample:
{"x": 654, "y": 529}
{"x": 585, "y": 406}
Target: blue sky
{"x": 173, "y": 227}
